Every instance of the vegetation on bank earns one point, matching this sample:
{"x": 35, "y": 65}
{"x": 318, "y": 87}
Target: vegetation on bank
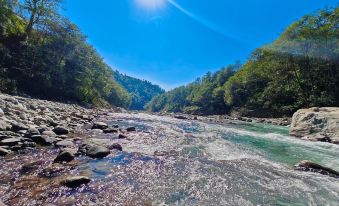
{"x": 43, "y": 54}
{"x": 300, "y": 69}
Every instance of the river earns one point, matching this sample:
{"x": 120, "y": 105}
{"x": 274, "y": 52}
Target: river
{"x": 183, "y": 162}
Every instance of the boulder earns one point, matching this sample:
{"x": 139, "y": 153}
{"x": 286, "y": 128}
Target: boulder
{"x": 316, "y": 124}
{"x": 115, "y": 146}
{"x": 75, "y": 181}
{"x": 122, "y": 136}
{"x": 180, "y": 117}
{"x": 1, "y": 112}
{"x": 306, "y": 165}
{"x": 65, "y": 155}
{"x": 108, "y": 131}
{"x": 96, "y": 151}
{"x": 10, "y": 142}
{"x": 32, "y": 131}
{"x": 16, "y": 126}
{"x": 99, "y": 125}
{"x": 43, "y": 140}
{"x": 49, "y": 133}
{"x": 60, "y": 130}
{"x": 131, "y": 129}
{"x": 65, "y": 143}
{"x": 4, "y": 152}
{"x": 4, "y": 126}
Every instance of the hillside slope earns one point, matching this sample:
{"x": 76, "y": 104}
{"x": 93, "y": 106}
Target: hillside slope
{"x": 300, "y": 69}
{"x": 141, "y": 91}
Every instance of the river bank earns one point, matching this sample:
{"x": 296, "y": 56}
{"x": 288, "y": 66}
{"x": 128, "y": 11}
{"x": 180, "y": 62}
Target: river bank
{"x": 64, "y": 154}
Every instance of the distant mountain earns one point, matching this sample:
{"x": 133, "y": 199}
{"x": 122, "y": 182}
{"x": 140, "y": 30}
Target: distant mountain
{"x": 141, "y": 91}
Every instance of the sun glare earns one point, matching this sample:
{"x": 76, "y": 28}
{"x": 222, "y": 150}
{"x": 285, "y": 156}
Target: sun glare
{"x": 151, "y": 4}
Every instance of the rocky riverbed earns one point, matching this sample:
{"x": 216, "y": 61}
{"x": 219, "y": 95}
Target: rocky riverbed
{"x": 63, "y": 154}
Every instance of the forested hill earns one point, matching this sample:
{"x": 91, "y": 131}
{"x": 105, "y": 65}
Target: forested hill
{"x": 300, "y": 69}
{"x": 141, "y": 91}
{"x": 44, "y": 55}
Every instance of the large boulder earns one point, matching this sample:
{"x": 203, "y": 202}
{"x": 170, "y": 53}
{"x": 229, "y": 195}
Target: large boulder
{"x": 316, "y": 124}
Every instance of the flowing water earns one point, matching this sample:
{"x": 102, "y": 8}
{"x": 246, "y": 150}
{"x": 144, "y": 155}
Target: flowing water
{"x": 178, "y": 162}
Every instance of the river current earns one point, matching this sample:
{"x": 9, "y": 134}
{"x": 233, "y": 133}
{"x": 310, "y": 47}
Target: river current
{"x": 182, "y": 162}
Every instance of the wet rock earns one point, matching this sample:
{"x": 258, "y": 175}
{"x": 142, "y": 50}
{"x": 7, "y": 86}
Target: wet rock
{"x": 16, "y": 126}
{"x": 4, "y": 152}
{"x": 180, "y": 117}
{"x": 65, "y": 143}
{"x": 10, "y": 142}
{"x": 108, "y": 131}
{"x": 43, "y": 140}
{"x": 65, "y": 155}
{"x": 60, "y": 130}
{"x": 131, "y": 129}
{"x": 306, "y": 165}
{"x": 115, "y": 146}
{"x": 96, "y": 151}
{"x": 75, "y": 181}
{"x": 4, "y": 126}
{"x": 99, "y": 125}
{"x": 122, "y": 136}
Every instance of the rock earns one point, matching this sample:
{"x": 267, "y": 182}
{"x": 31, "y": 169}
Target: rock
{"x": 60, "y": 130}
{"x": 43, "y": 140}
{"x": 180, "y": 117}
{"x": 65, "y": 155}
{"x": 49, "y": 133}
{"x": 4, "y": 126}
{"x": 1, "y": 112}
{"x": 316, "y": 124}
{"x": 4, "y": 152}
{"x": 131, "y": 129}
{"x": 76, "y": 181}
{"x": 96, "y": 151}
{"x": 317, "y": 138}
{"x": 99, "y": 125}
{"x": 65, "y": 143}
{"x": 306, "y": 165}
{"x": 32, "y": 131}
{"x": 10, "y": 142}
{"x": 108, "y": 131}
{"x": 115, "y": 146}
{"x": 122, "y": 136}
{"x": 16, "y": 126}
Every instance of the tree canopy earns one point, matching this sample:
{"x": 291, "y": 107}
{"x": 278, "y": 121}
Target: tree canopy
{"x": 300, "y": 69}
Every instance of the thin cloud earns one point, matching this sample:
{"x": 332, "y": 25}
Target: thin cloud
{"x": 206, "y": 23}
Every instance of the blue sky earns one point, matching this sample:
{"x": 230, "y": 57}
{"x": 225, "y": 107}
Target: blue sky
{"x": 172, "y": 42}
